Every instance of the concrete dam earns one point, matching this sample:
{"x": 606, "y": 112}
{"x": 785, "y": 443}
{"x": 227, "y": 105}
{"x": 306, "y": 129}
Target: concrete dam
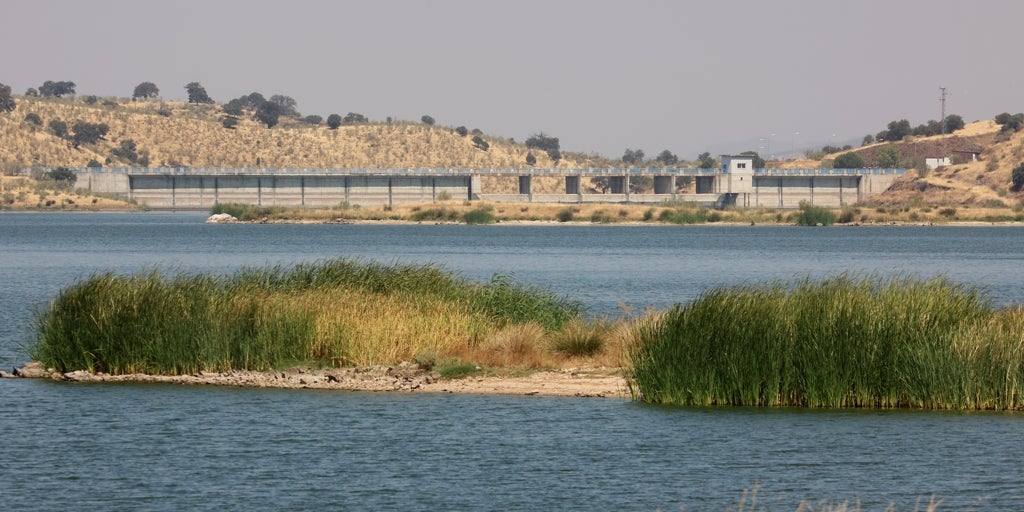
{"x": 735, "y": 184}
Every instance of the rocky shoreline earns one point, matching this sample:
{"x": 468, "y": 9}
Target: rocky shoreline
{"x": 404, "y": 377}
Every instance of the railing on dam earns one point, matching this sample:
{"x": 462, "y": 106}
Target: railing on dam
{"x": 428, "y": 172}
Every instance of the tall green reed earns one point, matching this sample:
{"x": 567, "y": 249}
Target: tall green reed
{"x": 171, "y": 324}
{"x": 838, "y": 342}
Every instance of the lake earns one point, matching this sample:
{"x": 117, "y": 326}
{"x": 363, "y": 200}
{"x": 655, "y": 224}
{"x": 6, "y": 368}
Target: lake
{"x": 165, "y": 447}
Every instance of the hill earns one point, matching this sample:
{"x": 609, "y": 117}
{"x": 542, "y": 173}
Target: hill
{"x": 190, "y": 135}
{"x": 979, "y": 175}
{"x": 176, "y": 134}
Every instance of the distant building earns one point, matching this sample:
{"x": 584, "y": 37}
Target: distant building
{"x": 738, "y": 173}
{"x": 934, "y": 163}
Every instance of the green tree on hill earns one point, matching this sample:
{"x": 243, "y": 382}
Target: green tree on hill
{"x": 145, "y": 91}
{"x": 51, "y": 89}
{"x": 889, "y": 156}
{"x": 633, "y": 156}
{"x": 7, "y": 103}
{"x": 1017, "y": 177}
{"x": 59, "y": 128}
{"x": 705, "y": 161}
{"x": 333, "y": 121}
{"x": 849, "y": 160}
{"x": 666, "y": 158}
{"x": 354, "y": 118}
{"x": 197, "y": 93}
{"x": 88, "y": 133}
{"x": 427, "y": 120}
{"x": 268, "y": 113}
{"x": 953, "y": 123}
{"x": 286, "y": 105}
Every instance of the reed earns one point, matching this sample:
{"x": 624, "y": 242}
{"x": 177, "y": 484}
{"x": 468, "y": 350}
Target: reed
{"x": 839, "y": 342}
{"x": 341, "y": 311}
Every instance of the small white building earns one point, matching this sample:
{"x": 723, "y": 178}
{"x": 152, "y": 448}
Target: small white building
{"x": 738, "y": 174}
{"x": 935, "y": 163}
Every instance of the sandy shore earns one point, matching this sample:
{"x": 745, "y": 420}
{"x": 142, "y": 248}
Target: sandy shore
{"x": 405, "y": 377}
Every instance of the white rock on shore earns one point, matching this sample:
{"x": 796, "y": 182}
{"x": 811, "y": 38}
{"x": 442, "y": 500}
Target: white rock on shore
{"x": 221, "y": 218}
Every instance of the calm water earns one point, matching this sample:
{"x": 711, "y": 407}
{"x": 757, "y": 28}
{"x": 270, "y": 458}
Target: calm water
{"x": 168, "y": 448}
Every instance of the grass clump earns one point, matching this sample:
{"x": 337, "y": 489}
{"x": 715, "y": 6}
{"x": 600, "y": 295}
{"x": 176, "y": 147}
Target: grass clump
{"x": 579, "y": 339}
{"x": 341, "y": 312}
{"x": 442, "y": 214}
{"x": 479, "y": 216}
{"x": 838, "y": 342}
{"x": 814, "y": 215}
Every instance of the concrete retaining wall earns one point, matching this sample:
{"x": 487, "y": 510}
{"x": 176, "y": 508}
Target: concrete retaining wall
{"x": 196, "y": 189}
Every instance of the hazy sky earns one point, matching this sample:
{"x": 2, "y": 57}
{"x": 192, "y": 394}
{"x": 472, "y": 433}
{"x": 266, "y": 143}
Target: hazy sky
{"x": 720, "y": 76}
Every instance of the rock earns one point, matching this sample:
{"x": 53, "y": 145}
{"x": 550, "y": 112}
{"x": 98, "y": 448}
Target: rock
{"x": 31, "y": 370}
{"x": 5, "y": 375}
{"x": 78, "y": 376}
{"x": 221, "y": 218}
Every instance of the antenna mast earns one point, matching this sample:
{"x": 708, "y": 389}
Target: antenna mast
{"x": 942, "y": 103}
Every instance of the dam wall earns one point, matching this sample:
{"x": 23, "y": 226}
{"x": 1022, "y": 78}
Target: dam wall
{"x": 200, "y": 189}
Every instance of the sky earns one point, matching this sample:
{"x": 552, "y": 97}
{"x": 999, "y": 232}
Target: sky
{"x": 721, "y": 76}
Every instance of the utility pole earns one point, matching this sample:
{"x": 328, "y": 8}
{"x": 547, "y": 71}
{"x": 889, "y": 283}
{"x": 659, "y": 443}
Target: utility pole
{"x": 942, "y": 103}
{"x": 942, "y": 121}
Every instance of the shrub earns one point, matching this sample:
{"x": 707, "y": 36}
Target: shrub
{"x": 847, "y": 214}
{"x": 442, "y": 214}
{"x": 33, "y": 119}
{"x": 814, "y": 215}
{"x": 564, "y": 215}
{"x": 579, "y": 339}
{"x": 479, "y": 216}
{"x": 63, "y": 176}
{"x": 948, "y": 212}
{"x": 462, "y": 131}
{"x": 1017, "y": 178}
{"x": 849, "y": 160}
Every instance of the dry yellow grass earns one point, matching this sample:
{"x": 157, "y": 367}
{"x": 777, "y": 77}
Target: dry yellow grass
{"x": 193, "y": 136}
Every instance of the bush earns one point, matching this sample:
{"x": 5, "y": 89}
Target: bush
{"x": 565, "y": 215}
{"x": 33, "y": 118}
{"x": 848, "y": 214}
{"x": 814, "y": 215}
{"x": 1017, "y": 177}
{"x": 578, "y": 339}
{"x": 479, "y": 216}
{"x": 62, "y": 176}
{"x": 849, "y": 160}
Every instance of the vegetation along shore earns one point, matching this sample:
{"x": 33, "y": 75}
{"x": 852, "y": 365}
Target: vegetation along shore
{"x": 838, "y": 342}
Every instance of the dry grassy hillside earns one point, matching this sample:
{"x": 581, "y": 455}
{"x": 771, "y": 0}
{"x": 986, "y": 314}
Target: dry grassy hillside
{"x": 984, "y": 183}
{"x": 178, "y": 134}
